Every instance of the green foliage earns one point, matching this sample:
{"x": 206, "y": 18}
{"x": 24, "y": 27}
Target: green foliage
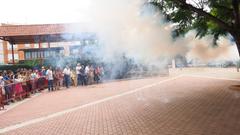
{"x": 215, "y": 17}
{"x": 31, "y": 63}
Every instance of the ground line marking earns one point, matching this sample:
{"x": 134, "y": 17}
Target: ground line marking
{"x": 211, "y": 77}
{"x": 50, "y": 116}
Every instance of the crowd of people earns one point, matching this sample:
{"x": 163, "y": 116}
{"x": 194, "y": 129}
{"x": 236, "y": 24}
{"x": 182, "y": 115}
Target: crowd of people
{"x": 82, "y": 75}
{"x": 25, "y": 80}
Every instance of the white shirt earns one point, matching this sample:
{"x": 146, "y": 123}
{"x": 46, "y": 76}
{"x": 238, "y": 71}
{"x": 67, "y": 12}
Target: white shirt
{"x": 1, "y": 81}
{"x": 67, "y": 71}
{"x": 86, "y": 70}
{"x": 18, "y": 80}
{"x": 78, "y": 68}
{"x": 34, "y": 75}
{"x": 49, "y": 74}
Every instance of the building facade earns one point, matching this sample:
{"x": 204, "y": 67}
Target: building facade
{"x": 26, "y": 42}
{"x": 39, "y": 50}
{"x": 1, "y": 53}
{"x": 6, "y": 55}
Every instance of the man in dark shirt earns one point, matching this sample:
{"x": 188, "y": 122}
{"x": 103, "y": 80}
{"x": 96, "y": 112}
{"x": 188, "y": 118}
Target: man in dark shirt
{"x": 7, "y": 86}
{"x": 82, "y": 76}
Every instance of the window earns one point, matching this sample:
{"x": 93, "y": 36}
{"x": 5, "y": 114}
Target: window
{"x": 55, "y": 53}
{"x": 1, "y": 46}
{"x": 52, "y": 53}
{"x": 27, "y": 55}
{"x": 15, "y": 57}
{"x": 34, "y": 55}
{"x": 61, "y": 52}
{"x": 1, "y": 58}
{"x": 42, "y": 54}
{"x": 10, "y": 46}
{"x": 46, "y": 54}
{"x": 55, "y": 44}
{"x": 44, "y": 45}
{"x": 27, "y": 45}
{"x": 36, "y": 45}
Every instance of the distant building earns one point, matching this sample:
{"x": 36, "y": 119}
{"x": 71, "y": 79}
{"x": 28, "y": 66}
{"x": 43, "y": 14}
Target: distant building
{"x": 42, "y": 53}
{"x": 40, "y": 41}
{"x": 1, "y": 52}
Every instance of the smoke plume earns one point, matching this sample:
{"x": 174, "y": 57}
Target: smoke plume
{"x": 128, "y": 29}
{"x": 204, "y": 49}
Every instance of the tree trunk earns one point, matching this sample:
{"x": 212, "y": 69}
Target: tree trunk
{"x": 237, "y": 40}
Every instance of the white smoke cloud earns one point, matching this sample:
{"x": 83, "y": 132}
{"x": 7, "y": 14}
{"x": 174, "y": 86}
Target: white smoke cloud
{"x": 204, "y": 50}
{"x": 125, "y": 27}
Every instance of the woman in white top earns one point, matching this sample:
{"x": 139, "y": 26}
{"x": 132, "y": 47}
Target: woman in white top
{"x": 49, "y": 75}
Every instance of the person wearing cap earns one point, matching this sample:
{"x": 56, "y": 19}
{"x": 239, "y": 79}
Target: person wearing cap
{"x": 79, "y": 78}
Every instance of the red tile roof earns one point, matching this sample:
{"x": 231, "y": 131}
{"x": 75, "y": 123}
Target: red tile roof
{"x": 42, "y": 32}
{"x": 41, "y": 29}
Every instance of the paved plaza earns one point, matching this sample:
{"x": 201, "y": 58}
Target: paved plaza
{"x": 184, "y": 103}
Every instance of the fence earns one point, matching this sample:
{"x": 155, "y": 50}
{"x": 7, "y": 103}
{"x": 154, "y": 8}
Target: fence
{"x": 20, "y": 90}
{"x": 1, "y": 99}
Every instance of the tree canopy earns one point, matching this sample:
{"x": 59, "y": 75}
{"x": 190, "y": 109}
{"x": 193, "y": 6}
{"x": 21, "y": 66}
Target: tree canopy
{"x": 215, "y": 17}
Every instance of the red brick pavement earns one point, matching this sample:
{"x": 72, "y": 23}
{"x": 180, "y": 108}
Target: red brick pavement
{"x": 49, "y": 103}
{"x": 186, "y": 106}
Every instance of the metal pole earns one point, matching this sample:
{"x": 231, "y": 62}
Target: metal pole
{"x": 13, "y": 61}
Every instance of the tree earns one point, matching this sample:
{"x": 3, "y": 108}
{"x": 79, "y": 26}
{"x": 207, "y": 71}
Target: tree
{"x": 216, "y": 17}
{"x": 31, "y": 63}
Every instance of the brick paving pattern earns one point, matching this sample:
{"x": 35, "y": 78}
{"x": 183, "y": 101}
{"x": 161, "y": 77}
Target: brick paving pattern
{"x": 49, "y": 103}
{"x": 185, "y": 106}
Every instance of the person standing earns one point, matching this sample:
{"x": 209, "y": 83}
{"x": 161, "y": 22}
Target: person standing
{"x": 2, "y": 91}
{"x": 58, "y": 78}
{"x": 82, "y": 75}
{"x": 97, "y": 74}
{"x": 67, "y": 73}
{"x": 7, "y": 86}
{"x": 78, "y": 68}
{"x": 86, "y": 75}
{"x": 73, "y": 78}
{"x": 91, "y": 75}
{"x": 18, "y": 81}
{"x": 43, "y": 72}
{"x": 49, "y": 76}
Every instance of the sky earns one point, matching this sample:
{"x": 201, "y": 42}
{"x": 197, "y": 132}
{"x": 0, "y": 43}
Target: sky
{"x": 43, "y": 11}
{"x": 108, "y": 16}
